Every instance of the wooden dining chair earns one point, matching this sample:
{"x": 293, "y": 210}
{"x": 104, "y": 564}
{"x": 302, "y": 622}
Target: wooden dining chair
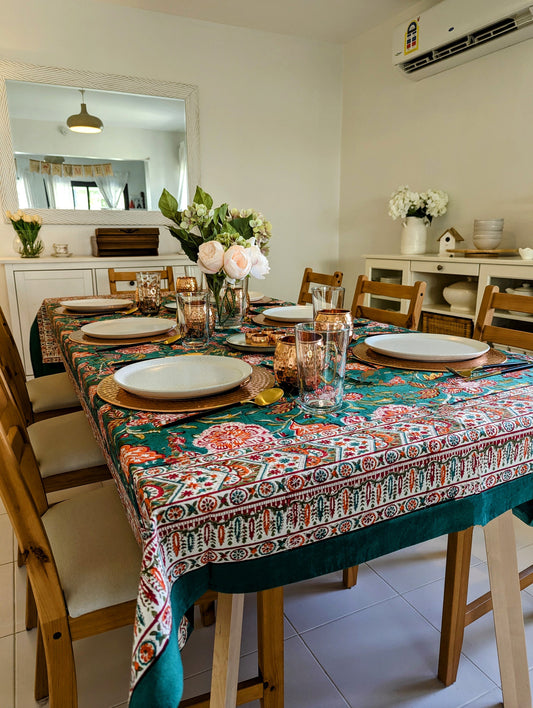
{"x": 414, "y": 294}
{"x": 76, "y": 594}
{"x": 310, "y": 277}
{"x": 130, "y": 277}
{"x": 457, "y": 613}
{"x": 39, "y": 398}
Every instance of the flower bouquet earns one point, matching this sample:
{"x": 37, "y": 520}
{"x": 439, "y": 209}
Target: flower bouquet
{"x": 424, "y": 205}
{"x": 227, "y": 244}
{"x": 27, "y": 227}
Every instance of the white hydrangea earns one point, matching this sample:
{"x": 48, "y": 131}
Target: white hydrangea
{"x": 425, "y": 205}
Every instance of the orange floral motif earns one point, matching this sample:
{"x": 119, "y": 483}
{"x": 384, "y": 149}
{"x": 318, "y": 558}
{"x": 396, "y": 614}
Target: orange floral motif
{"x": 232, "y": 436}
{"x": 136, "y": 455}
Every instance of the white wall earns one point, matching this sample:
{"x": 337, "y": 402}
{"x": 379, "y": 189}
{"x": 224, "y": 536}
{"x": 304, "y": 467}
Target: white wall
{"x": 270, "y": 114}
{"x": 467, "y": 131}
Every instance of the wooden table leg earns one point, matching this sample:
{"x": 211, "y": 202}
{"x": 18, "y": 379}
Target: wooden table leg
{"x": 227, "y": 651}
{"x": 507, "y": 611}
{"x": 270, "y": 646}
{"x": 454, "y": 603}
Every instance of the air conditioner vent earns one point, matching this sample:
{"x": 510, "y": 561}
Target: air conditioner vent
{"x": 467, "y": 42}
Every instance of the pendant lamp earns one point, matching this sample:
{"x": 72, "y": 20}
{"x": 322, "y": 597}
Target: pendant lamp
{"x": 83, "y": 122}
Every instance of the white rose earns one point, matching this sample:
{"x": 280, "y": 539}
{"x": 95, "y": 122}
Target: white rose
{"x": 260, "y": 266}
{"x": 210, "y": 257}
{"x": 237, "y": 262}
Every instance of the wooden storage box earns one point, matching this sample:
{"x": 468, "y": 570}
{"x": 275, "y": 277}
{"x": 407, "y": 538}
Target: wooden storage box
{"x": 434, "y": 323}
{"x": 125, "y": 242}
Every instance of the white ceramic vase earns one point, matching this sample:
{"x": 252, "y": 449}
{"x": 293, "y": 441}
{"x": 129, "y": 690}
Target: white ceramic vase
{"x": 414, "y": 235}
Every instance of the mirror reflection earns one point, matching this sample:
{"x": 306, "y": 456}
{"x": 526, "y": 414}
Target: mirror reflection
{"x": 141, "y": 149}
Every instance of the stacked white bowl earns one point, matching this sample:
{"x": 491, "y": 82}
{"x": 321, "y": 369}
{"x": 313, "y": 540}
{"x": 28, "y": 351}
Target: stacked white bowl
{"x": 487, "y": 233}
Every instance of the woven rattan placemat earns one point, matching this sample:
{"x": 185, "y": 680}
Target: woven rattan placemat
{"x": 81, "y": 338}
{"x": 364, "y": 353}
{"x": 276, "y": 324}
{"x": 111, "y": 392}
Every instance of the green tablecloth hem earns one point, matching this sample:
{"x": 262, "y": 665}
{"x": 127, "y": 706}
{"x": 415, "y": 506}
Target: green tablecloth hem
{"x": 36, "y": 355}
{"x": 165, "y": 678}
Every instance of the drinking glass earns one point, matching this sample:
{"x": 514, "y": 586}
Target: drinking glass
{"x": 327, "y": 297}
{"x": 321, "y": 360}
{"x": 192, "y": 280}
{"x": 149, "y": 292}
{"x": 193, "y": 313}
{"x": 285, "y": 369}
{"x": 334, "y": 316}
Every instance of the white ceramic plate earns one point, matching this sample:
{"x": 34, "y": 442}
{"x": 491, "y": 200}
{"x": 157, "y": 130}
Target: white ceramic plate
{"x": 128, "y": 327}
{"x": 292, "y": 313}
{"x": 426, "y": 347}
{"x": 171, "y": 305}
{"x": 238, "y": 341}
{"x": 254, "y": 295}
{"x": 96, "y": 305}
{"x": 177, "y": 377}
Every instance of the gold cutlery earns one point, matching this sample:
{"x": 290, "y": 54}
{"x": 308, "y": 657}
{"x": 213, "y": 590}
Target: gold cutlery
{"x": 264, "y": 398}
{"x": 478, "y": 372}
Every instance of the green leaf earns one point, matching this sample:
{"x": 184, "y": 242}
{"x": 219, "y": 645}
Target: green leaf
{"x": 242, "y": 226}
{"x": 201, "y": 197}
{"x": 168, "y": 205}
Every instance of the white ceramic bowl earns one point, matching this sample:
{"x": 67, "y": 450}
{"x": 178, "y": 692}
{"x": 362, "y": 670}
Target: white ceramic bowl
{"x": 487, "y": 240}
{"x": 488, "y": 224}
{"x": 526, "y": 254}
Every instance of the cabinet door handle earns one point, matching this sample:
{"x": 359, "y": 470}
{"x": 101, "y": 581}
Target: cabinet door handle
{"x": 132, "y": 282}
{"x": 440, "y": 267}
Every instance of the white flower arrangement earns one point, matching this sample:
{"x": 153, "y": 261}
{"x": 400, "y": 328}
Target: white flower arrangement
{"x": 425, "y": 205}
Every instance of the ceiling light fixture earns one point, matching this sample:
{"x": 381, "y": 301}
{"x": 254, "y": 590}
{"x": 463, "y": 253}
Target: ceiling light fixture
{"x": 83, "y": 122}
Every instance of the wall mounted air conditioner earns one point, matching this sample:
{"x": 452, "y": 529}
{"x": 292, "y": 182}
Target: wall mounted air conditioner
{"x": 456, "y": 31}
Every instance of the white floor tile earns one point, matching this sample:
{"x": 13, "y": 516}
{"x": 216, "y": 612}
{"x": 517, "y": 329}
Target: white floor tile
{"x": 492, "y": 699}
{"x": 386, "y": 655}
{"x": 306, "y": 685}
{"x": 319, "y": 600}
{"x": 25, "y": 643}
{"x": 7, "y": 607}
{"x": 2, "y": 508}
{"x": 6, "y": 540}
{"x": 413, "y": 567}
{"x": 7, "y": 671}
{"x": 20, "y": 598}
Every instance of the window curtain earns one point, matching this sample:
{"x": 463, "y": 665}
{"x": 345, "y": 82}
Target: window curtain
{"x": 59, "y": 191}
{"x": 183, "y": 192}
{"x": 31, "y": 191}
{"x": 112, "y": 188}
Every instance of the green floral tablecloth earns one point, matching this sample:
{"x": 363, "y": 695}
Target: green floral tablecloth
{"x": 249, "y": 498}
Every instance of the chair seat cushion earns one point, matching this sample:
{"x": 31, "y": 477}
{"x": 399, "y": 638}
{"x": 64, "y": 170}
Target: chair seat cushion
{"x": 97, "y": 556}
{"x": 51, "y": 393}
{"x": 64, "y": 444}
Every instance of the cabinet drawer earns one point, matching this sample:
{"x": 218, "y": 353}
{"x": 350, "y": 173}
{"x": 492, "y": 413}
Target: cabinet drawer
{"x": 445, "y": 268}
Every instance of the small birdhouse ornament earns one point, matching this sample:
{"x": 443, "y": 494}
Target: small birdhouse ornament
{"x": 449, "y": 240}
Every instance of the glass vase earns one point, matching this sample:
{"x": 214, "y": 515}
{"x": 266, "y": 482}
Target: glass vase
{"x": 230, "y": 301}
{"x": 28, "y": 247}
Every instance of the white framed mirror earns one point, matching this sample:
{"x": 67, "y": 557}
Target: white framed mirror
{"x": 150, "y": 140}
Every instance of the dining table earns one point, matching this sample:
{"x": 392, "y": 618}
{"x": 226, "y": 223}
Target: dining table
{"x": 240, "y": 499}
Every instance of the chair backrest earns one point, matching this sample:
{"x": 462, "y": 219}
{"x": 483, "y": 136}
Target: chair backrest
{"x": 304, "y": 298}
{"x": 13, "y": 368}
{"x": 493, "y": 300}
{"x": 413, "y": 293}
{"x": 115, "y": 276}
{"x": 22, "y": 493}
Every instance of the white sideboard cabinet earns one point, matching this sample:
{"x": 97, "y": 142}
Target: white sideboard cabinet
{"x": 30, "y": 281}
{"x": 440, "y": 271}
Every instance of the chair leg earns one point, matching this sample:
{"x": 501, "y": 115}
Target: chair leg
{"x": 270, "y": 646}
{"x": 227, "y": 651}
{"x": 41, "y": 672}
{"x": 60, "y": 664}
{"x": 349, "y": 576}
{"x": 31, "y": 607}
{"x": 507, "y": 611}
{"x": 454, "y": 604}
{"x": 207, "y": 612}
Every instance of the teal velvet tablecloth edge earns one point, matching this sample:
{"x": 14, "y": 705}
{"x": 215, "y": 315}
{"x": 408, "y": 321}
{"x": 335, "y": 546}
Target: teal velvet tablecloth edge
{"x": 162, "y": 685}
